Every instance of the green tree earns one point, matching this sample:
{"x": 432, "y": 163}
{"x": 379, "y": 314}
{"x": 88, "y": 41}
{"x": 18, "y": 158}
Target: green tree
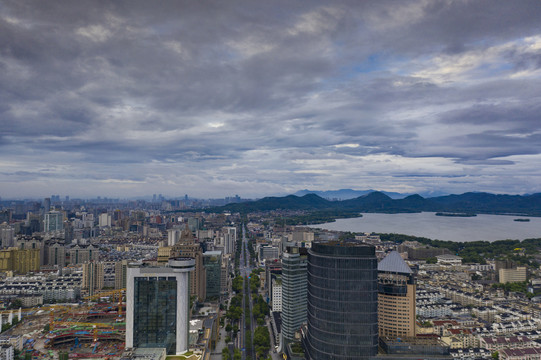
{"x": 257, "y": 271}
{"x": 261, "y": 341}
{"x": 254, "y": 283}
{"x": 15, "y": 304}
{"x": 237, "y": 284}
{"x": 226, "y": 355}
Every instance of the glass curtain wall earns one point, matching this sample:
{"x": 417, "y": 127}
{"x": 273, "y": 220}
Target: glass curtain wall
{"x": 342, "y": 302}
{"x": 155, "y": 307}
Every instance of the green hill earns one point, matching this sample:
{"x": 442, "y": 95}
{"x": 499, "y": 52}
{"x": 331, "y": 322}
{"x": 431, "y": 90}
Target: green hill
{"x": 470, "y": 202}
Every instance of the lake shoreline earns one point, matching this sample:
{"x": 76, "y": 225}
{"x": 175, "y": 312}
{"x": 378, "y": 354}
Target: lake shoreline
{"x": 484, "y": 227}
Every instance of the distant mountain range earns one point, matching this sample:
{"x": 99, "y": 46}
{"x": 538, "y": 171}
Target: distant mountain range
{"x": 472, "y": 202}
{"x": 345, "y": 194}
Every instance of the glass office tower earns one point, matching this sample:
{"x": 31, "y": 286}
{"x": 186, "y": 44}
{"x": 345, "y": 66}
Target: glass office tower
{"x": 155, "y": 311}
{"x": 157, "y": 301}
{"x": 342, "y": 301}
{"x": 212, "y": 260}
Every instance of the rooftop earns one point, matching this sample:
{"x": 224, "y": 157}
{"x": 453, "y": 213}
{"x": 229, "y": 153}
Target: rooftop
{"x": 393, "y": 262}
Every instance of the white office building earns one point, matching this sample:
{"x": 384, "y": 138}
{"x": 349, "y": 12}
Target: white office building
{"x": 276, "y": 295}
{"x": 104, "y": 220}
{"x": 230, "y": 238}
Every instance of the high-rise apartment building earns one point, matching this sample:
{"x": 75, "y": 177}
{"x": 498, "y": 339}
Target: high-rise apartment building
{"x": 294, "y": 265}
{"x": 157, "y": 311}
{"x": 33, "y": 223}
{"x": 164, "y": 253}
{"x": 104, "y": 220}
{"x": 56, "y": 255}
{"x": 29, "y": 243}
{"x": 189, "y": 247}
{"x": 79, "y": 254}
{"x": 342, "y": 301}
{"x": 225, "y": 280}
{"x": 46, "y": 205}
{"x": 7, "y": 235}
{"x": 117, "y": 217}
{"x": 121, "y": 274}
{"x": 396, "y": 300}
{"x": 20, "y": 261}
{"x": 7, "y": 351}
{"x": 93, "y": 277}
{"x": 276, "y": 298}
{"x": 173, "y": 236}
{"x": 230, "y": 238}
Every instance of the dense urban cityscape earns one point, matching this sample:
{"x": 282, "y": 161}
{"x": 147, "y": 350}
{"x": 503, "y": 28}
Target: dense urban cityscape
{"x": 270, "y": 180}
{"x": 177, "y": 279}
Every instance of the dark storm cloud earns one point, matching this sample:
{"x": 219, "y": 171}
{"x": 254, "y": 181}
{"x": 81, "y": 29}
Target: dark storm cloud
{"x": 500, "y": 143}
{"x": 273, "y": 96}
{"x": 524, "y": 118}
{"x": 459, "y": 26}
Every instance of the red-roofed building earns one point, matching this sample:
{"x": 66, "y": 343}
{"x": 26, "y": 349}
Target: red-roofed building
{"x": 497, "y": 343}
{"x": 520, "y": 354}
{"x": 441, "y": 325}
{"x": 459, "y": 338}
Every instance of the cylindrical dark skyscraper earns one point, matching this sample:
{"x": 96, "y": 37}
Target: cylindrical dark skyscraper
{"x": 342, "y": 301}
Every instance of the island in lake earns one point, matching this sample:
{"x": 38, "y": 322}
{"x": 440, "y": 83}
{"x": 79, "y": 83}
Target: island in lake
{"x": 522, "y": 220}
{"x": 455, "y": 214}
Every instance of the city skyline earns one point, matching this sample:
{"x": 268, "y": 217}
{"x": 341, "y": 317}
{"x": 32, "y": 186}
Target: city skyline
{"x": 213, "y": 99}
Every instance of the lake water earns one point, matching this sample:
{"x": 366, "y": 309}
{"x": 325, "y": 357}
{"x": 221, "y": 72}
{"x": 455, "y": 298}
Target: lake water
{"x": 427, "y": 224}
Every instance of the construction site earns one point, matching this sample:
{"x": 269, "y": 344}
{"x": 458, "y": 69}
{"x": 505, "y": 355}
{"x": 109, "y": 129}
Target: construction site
{"x": 92, "y": 329}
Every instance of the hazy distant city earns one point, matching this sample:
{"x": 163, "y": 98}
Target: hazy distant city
{"x": 250, "y": 180}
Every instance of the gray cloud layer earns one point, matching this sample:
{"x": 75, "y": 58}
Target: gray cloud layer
{"x": 212, "y": 98}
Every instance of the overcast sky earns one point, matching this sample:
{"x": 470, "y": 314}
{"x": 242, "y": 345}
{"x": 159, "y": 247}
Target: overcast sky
{"x": 216, "y": 98}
